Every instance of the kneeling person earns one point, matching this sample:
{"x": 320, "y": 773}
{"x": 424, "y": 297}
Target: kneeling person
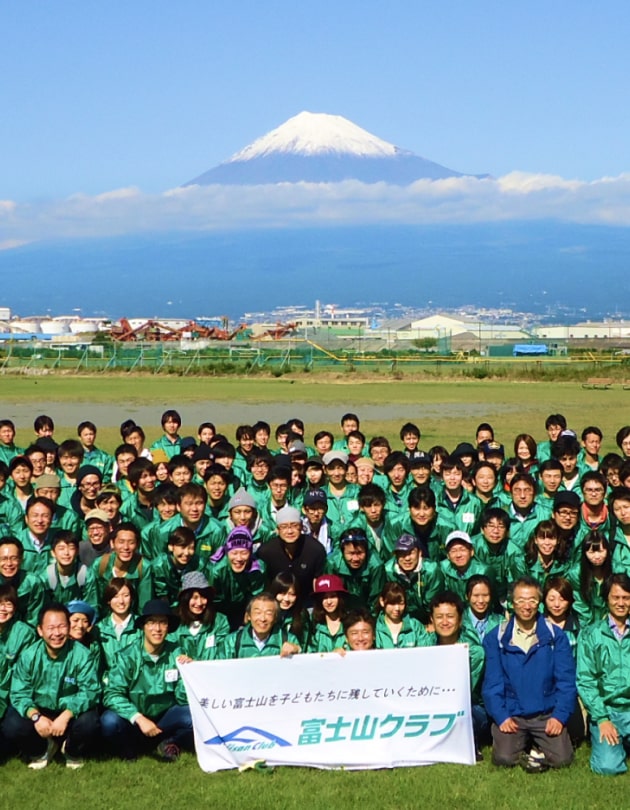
{"x": 529, "y": 684}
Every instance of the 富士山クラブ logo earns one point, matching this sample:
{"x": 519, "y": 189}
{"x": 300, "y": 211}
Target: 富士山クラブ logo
{"x": 248, "y": 738}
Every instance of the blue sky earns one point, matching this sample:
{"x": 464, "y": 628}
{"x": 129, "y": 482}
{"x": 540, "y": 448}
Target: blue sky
{"x": 131, "y": 99}
{"x": 97, "y": 96}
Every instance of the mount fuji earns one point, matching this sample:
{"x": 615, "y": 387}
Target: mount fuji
{"x": 322, "y": 148}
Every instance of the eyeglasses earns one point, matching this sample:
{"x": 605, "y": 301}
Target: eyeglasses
{"x": 568, "y": 512}
{"x": 529, "y": 602}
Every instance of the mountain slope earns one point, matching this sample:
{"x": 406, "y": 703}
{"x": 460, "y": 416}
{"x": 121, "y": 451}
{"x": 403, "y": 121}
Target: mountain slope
{"x": 321, "y": 148}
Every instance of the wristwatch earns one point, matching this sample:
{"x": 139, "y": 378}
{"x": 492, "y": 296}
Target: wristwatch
{"x": 35, "y": 716}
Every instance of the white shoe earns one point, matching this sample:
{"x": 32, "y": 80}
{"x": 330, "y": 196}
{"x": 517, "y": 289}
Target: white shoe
{"x": 39, "y": 763}
{"x": 73, "y": 763}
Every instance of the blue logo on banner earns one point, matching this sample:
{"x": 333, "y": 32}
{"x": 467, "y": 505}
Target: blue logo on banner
{"x": 248, "y": 738}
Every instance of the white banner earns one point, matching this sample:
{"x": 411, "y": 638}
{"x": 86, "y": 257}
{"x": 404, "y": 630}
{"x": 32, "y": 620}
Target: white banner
{"x": 373, "y": 709}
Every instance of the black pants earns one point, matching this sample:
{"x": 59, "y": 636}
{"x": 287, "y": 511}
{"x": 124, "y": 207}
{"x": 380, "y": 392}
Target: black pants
{"x": 81, "y": 734}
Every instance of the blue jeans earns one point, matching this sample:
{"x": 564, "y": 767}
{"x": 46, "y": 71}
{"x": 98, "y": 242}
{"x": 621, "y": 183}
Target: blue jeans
{"x": 611, "y": 759}
{"x": 127, "y": 740}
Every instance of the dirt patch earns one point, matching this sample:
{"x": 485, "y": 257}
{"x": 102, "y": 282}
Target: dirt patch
{"x": 67, "y": 414}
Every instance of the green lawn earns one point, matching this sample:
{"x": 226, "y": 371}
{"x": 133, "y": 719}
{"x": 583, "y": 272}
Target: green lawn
{"x": 447, "y": 412}
{"x": 150, "y": 784}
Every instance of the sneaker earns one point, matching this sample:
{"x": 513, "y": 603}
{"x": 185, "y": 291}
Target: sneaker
{"x": 38, "y": 763}
{"x": 73, "y": 763}
{"x": 168, "y": 751}
{"x": 534, "y": 761}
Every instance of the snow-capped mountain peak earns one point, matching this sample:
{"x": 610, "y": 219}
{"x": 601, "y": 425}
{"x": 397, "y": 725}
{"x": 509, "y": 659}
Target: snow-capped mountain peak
{"x": 322, "y": 148}
{"x": 311, "y": 134}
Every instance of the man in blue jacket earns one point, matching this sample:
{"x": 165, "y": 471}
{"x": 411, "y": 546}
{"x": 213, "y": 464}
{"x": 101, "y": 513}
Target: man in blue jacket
{"x": 529, "y": 685}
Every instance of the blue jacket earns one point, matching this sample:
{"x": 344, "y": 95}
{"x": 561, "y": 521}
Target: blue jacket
{"x": 523, "y": 685}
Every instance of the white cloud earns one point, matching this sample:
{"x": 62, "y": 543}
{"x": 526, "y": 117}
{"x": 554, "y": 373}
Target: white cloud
{"x": 515, "y": 196}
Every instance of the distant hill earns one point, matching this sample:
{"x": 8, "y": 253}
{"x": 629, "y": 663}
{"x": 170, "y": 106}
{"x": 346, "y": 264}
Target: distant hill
{"x": 532, "y": 266}
{"x": 321, "y": 148}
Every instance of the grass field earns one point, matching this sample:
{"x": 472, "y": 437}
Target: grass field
{"x": 150, "y": 784}
{"x": 447, "y": 412}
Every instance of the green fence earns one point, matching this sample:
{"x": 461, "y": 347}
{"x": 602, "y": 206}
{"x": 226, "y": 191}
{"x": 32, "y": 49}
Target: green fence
{"x": 296, "y": 355}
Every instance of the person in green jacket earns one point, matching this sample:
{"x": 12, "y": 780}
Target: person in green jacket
{"x": 191, "y": 506}
{"x": 359, "y": 630}
{"x": 394, "y": 628}
{"x": 457, "y": 508}
{"x": 139, "y": 508}
{"x": 86, "y": 431}
{"x": 359, "y": 567}
{"x": 123, "y": 561}
{"x": 379, "y": 523}
{"x": 423, "y": 522}
{"x": 603, "y": 679}
{"x": 202, "y": 628}
{"x": 82, "y": 621}
{"x": 8, "y": 449}
{"x": 420, "y": 578}
{"x": 545, "y": 555}
{"x": 262, "y": 635}
{"x": 555, "y": 423}
{"x": 145, "y": 699}
{"x": 524, "y": 511}
{"x": 235, "y": 575}
{"x": 343, "y": 498}
{"x": 243, "y": 510}
{"x": 494, "y": 548}
{"x": 15, "y": 637}
{"x": 447, "y": 618}
{"x": 69, "y": 458}
{"x": 117, "y": 628}
{"x": 164, "y": 502}
{"x": 170, "y": 441}
{"x": 64, "y": 579}
{"x": 479, "y": 615}
{"x": 588, "y": 577}
{"x": 37, "y": 535}
{"x": 217, "y": 485}
{"x": 293, "y": 616}
{"x": 399, "y": 484}
{"x": 29, "y": 588}
{"x": 620, "y": 504}
{"x": 54, "y": 695}
{"x": 169, "y": 569}
{"x": 460, "y": 563}
{"x": 329, "y": 610}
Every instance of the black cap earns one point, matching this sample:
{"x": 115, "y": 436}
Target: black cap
{"x": 566, "y": 498}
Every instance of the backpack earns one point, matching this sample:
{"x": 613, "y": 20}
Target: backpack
{"x": 53, "y": 576}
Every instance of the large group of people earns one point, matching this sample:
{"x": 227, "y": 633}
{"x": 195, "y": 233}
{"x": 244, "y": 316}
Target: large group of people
{"x": 116, "y": 569}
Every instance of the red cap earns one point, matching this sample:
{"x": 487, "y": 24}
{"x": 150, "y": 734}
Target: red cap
{"x": 329, "y": 583}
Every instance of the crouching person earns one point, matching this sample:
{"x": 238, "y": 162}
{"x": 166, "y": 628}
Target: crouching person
{"x": 145, "y": 700}
{"x": 54, "y": 695}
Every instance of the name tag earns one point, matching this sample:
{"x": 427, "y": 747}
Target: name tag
{"x": 211, "y": 641}
{"x": 468, "y": 517}
{"x": 171, "y": 675}
{"x": 353, "y": 505}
